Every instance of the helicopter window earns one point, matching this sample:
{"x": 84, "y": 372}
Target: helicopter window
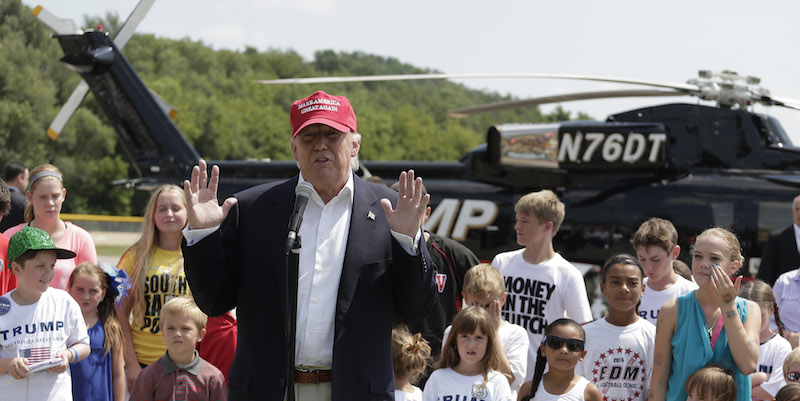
{"x": 777, "y": 136}
{"x": 723, "y": 213}
{"x": 772, "y": 216}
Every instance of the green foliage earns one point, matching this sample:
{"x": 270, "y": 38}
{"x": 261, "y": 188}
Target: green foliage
{"x": 220, "y": 110}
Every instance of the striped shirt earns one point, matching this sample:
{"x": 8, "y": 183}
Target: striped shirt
{"x": 787, "y": 293}
{"x": 165, "y": 381}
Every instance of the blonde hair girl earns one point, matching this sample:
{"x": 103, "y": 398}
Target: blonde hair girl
{"x": 101, "y": 375}
{"x": 46, "y": 195}
{"x": 411, "y": 354}
{"x": 155, "y": 267}
{"x": 711, "y": 383}
{"x": 689, "y": 334}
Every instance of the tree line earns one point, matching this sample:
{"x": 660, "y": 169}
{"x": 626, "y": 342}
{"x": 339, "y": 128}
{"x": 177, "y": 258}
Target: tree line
{"x": 220, "y": 110}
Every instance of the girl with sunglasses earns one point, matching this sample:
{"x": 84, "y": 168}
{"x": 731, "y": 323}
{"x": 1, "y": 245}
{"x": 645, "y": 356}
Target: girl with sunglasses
{"x": 710, "y": 325}
{"x": 768, "y": 378}
{"x": 791, "y": 367}
{"x": 467, "y": 367}
{"x": 561, "y": 349}
{"x": 619, "y": 347}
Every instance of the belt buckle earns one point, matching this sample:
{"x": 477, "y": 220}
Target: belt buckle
{"x": 311, "y": 375}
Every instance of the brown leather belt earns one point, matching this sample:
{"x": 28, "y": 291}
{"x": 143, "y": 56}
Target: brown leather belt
{"x": 313, "y": 376}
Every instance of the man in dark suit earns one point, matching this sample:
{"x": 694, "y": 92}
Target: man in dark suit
{"x": 781, "y": 251}
{"x": 16, "y": 176}
{"x": 361, "y": 264}
{"x": 452, "y": 260}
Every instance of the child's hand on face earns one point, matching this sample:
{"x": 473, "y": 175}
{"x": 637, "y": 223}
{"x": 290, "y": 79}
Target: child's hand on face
{"x": 17, "y": 368}
{"x": 65, "y": 355}
{"x": 494, "y": 312}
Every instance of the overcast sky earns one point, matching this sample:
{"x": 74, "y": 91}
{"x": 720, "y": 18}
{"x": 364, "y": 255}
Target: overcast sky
{"x": 652, "y": 40}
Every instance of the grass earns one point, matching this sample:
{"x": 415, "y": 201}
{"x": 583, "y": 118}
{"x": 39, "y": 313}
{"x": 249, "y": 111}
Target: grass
{"x": 111, "y": 250}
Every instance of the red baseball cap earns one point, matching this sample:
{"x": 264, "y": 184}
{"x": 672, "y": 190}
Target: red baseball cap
{"x": 322, "y": 108}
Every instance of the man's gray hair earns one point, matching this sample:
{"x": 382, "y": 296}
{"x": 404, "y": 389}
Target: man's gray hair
{"x": 354, "y": 163}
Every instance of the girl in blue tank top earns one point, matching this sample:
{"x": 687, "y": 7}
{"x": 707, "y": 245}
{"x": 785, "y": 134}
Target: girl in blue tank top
{"x": 708, "y": 326}
{"x": 101, "y": 376}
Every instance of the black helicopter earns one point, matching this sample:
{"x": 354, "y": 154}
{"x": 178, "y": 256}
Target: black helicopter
{"x": 696, "y": 165}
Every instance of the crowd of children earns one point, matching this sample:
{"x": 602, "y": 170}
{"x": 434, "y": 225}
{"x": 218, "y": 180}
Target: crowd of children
{"x": 66, "y": 322}
{"x": 714, "y": 341}
{"x": 525, "y": 331}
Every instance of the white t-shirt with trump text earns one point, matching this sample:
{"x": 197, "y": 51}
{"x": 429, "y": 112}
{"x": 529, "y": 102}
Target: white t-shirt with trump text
{"x": 38, "y": 332}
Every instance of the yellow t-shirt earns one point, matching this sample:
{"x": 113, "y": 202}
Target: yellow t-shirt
{"x": 147, "y": 339}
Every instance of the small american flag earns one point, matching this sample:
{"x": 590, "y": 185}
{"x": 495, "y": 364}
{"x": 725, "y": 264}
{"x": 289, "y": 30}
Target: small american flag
{"x": 35, "y": 355}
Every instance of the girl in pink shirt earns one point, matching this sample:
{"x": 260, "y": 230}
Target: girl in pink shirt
{"x": 46, "y": 194}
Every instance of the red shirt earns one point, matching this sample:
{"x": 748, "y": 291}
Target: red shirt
{"x": 219, "y": 344}
{"x": 8, "y": 281}
{"x": 165, "y": 381}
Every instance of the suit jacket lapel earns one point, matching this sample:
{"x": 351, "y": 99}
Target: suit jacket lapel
{"x": 361, "y": 230}
{"x": 281, "y": 198}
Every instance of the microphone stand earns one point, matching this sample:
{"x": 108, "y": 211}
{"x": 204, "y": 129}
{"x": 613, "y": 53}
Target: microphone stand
{"x": 292, "y": 272}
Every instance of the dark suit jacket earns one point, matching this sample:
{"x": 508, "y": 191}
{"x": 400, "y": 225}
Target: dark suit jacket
{"x": 780, "y": 255}
{"x": 17, "y": 213}
{"x": 452, "y": 260}
{"x": 242, "y": 265}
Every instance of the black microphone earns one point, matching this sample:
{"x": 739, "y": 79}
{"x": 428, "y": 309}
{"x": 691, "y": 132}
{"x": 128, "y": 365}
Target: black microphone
{"x": 304, "y": 190}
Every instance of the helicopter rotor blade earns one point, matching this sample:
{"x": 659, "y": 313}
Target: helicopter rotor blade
{"x": 65, "y": 26}
{"x": 166, "y": 107}
{"x": 689, "y": 88}
{"x": 788, "y": 103}
{"x": 67, "y": 110}
{"x": 497, "y": 106}
{"x": 129, "y": 26}
{"x": 61, "y": 26}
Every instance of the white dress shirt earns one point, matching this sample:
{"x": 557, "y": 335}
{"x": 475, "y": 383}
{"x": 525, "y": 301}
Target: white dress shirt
{"x": 323, "y": 234}
{"x": 324, "y": 239}
{"x": 796, "y": 236}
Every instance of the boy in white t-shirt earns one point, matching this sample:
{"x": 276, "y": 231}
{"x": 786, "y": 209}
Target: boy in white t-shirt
{"x": 656, "y": 246}
{"x": 542, "y": 285}
{"x": 38, "y": 323}
{"x": 484, "y": 286}
{"x": 619, "y": 347}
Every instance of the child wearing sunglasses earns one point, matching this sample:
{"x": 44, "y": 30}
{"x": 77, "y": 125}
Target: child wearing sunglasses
{"x": 467, "y": 367}
{"x": 791, "y": 367}
{"x": 619, "y": 347}
{"x": 561, "y": 349}
{"x": 768, "y": 378}
{"x": 711, "y": 383}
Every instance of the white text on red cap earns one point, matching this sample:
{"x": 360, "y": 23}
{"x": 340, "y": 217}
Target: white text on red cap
{"x": 326, "y": 104}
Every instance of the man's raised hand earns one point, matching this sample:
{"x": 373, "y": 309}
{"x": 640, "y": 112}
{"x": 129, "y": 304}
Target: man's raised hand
{"x": 201, "y": 198}
{"x": 411, "y": 205}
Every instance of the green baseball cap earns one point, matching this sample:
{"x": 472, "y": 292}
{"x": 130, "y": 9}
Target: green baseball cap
{"x": 34, "y": 239}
